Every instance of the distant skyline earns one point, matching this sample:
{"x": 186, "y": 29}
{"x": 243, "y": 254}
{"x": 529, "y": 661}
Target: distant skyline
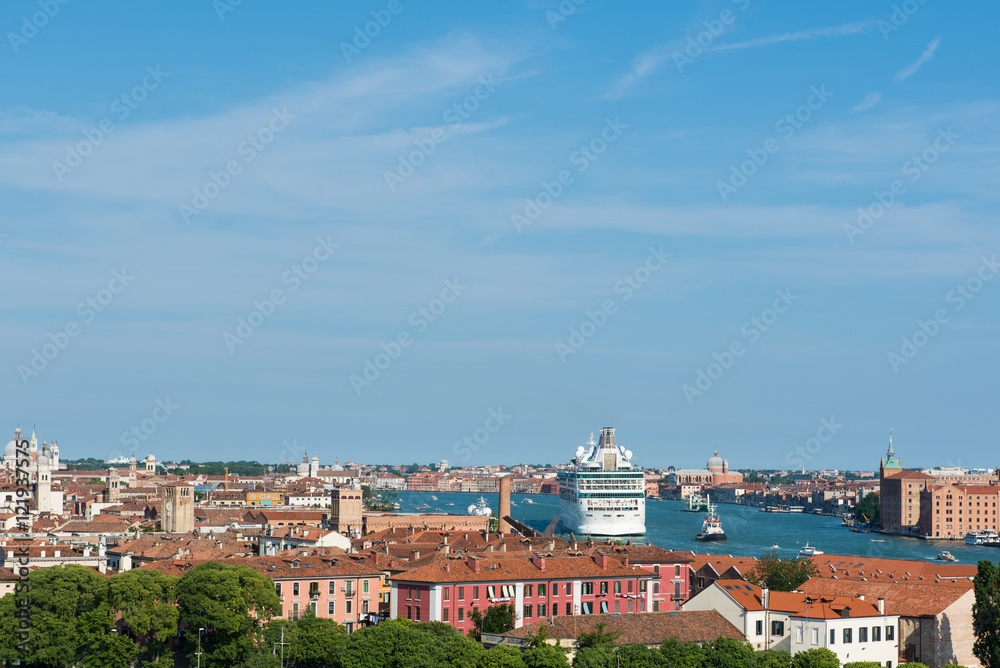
{"x": 395, "y": 231}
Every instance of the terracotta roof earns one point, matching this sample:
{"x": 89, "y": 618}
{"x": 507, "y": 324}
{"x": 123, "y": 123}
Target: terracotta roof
{"x": 517, "y": 567}
{"x": 892, "y": 570}
{"x": 646, "y": 628}
{"x": 799, "y": 604}
{"x": 908, "y": 599}
{"x": 278, "y": 567}
{"x": 722, "y": 563}
{"x": 911, "y": 475}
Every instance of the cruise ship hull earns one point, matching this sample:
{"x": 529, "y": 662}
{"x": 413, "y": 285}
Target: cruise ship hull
{"x": 601, "y": 522}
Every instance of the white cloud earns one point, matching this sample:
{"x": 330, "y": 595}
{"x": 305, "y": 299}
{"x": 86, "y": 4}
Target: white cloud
{"x": 871, "y": 99}
{"x": 913, "y": 67}
{"x": 843, "y": 30}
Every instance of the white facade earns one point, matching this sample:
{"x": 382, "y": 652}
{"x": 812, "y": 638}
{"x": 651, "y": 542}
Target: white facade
{"x": 851, "y": 638}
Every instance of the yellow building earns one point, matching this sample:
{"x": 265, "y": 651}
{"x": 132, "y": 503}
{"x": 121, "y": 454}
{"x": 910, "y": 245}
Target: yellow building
{"x": 259, "y": 496}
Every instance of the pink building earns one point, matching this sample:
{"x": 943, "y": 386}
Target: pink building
{"x": 449, "y": 588}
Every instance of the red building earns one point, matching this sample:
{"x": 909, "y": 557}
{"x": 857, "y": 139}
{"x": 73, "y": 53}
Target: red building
{"x": 451, "y": 587}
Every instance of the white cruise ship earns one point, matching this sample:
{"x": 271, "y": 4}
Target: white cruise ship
{"x": 601, "y": 493}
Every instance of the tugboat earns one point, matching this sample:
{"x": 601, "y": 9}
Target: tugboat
{"x": 711, "y": 529}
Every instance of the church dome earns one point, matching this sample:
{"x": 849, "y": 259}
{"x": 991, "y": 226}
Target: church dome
{"x": 10, "y": 451}
{"x": 714, "y": 462}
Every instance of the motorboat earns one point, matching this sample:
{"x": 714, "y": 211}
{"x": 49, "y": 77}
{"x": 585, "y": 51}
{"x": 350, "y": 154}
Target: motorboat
{"x": 987, "y": 537}
{"x": 946, "y": 556}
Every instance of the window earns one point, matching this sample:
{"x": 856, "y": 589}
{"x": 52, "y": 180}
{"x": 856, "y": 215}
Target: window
{"x": 876, "y": 633}
{"x": 760, "y": 627}
{"x": 277, "y": 588}
{"x": 847, "y": 636}
{"x": 541, "y": 609}
{"x": 677, "y": 571}
{"x": 569, "y": 608}
{"x": 656, "y": 569}
{"x": 364, "y": 586}
{"x": 444, "y": 614}
{"x": 890, "y": 632}
{"x": 527, "y": 590}
{"x": 656, "y": 587}
{"x": 616, "y": 607}
{"x": 416, "y": 594}
{"x": 332, "y": 587}
{"x": 588, "y": 588}
{"x": 586, "y": 607}
{"x": 642, "y": 586}
{"x": 604, "y": 588}
{"x": 541, "y": 592}
{"x": 312, "y": 606}
{"x": 815, "y": 636}
{"x": 461, "y": 593}
{"x": 409, "y": 593}
{"x": 461, "y": 614}
{"x": 527, "y": 612}
{"x": 331, "y": 608}
{"x": 630, "y": 605}
{"x": 863, "y": 634}
{"x": 313, "y": 589}
{"x": 417, "y": 611}
{"x": 656, "y": 606}
{"x": 833, "y": 636}
{"x": 777, "y": 628}
{"x": 348, "y": 606}
{"x": 295, "y": 589}
{"x": 491, "y": 591}
{"x": 569, "y": 588}
{"x": 446, "y": 594}
{"x": 475, "y": 593}
{"x": 630, "y": 586}
{"x": 798, "y": 635}
{"x": 618, "y": 586}
{"x": 350, "y": 589}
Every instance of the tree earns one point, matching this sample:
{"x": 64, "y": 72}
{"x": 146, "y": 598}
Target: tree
{"x": 548, "y": 656}
{"x": 501, "y": 656}
{"x": 779, "y": 574}
{"x": 640, "y": 656}
{"x": 817, "y": 657}
{"x": 682, "y": 654}
{"x": 231, "y": 602}
{"x": 596, "y": 657}
{"x": 865, "y": 664}
{"x": 316, "y": 641}
{"x": 498, "y": 619}
{"x": 146, "y": 601}
{"x": 598, "y": 637}
{"x": 727, "y": 652}
{"x": 774, "y": 658}
{"x": 986, "y": 615}
{"x": 540, "y": 638}
{"x": 867, "y": 512}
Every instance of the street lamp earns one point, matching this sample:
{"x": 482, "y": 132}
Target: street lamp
{"x": 199, "y": 646}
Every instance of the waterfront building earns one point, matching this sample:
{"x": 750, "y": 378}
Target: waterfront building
{"x": 951, "y": 511}
{"x": 716, "y": 472}
{"x": 450, "y": 587}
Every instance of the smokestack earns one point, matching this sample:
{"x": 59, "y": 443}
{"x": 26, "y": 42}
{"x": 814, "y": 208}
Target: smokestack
{"x": 505, "y": 483}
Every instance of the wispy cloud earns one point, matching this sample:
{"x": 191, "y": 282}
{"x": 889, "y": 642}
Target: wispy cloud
{"x": 843, "y": 30}
{"x": 912, "y": 68}
{"x": 649, "y": 62}
{"x": 871, "y": 99}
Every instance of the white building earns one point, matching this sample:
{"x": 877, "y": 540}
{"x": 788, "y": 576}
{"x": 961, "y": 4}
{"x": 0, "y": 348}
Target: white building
{"x": 38, "y": 465}
{"x": 856, "y": 630}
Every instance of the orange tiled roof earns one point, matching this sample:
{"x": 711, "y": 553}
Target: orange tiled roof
{"x": 908, "y": 599}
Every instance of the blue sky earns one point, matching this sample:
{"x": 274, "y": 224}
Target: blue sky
{"x": 440, "y": 207}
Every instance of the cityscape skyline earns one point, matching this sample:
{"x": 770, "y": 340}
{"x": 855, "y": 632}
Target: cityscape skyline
{"x": 719, "y": 226}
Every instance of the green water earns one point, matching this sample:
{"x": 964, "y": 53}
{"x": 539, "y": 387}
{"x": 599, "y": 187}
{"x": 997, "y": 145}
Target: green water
{"x": 750, "y": 531}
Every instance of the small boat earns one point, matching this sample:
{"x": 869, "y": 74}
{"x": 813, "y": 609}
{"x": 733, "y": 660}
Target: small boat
{"x": 433, "y": 498}
{"x": 946, "y": 556}
{"x": 711, "y": 528}
{"x": 878, "y": 540}
{"x": 451, "y": 504}
{"x": 808, "y": 551}
{"x": 775, "y": 547}
{"x": 527, "y": 501}
{"x": 425, "y": 506}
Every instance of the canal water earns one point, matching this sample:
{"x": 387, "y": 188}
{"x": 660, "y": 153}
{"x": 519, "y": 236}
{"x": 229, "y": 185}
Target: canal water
{"x": 750, "y": 532}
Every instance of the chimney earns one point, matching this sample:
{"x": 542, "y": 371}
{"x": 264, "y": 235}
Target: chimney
{"x": 601, "y": 560}
{"x": 881, "y": 605}
{"x": 846, "y": 612}
{"x": 765, "y": 597}
{"x": 474, "y": 564}
{"x": 503, "y": 547}
{"x": 505, "y": 484}
{"x": 414, "y": 555}
{"x": 447, "y": 567}
{"x": 551, "y": 545}
{"x": 539, "y": 562}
